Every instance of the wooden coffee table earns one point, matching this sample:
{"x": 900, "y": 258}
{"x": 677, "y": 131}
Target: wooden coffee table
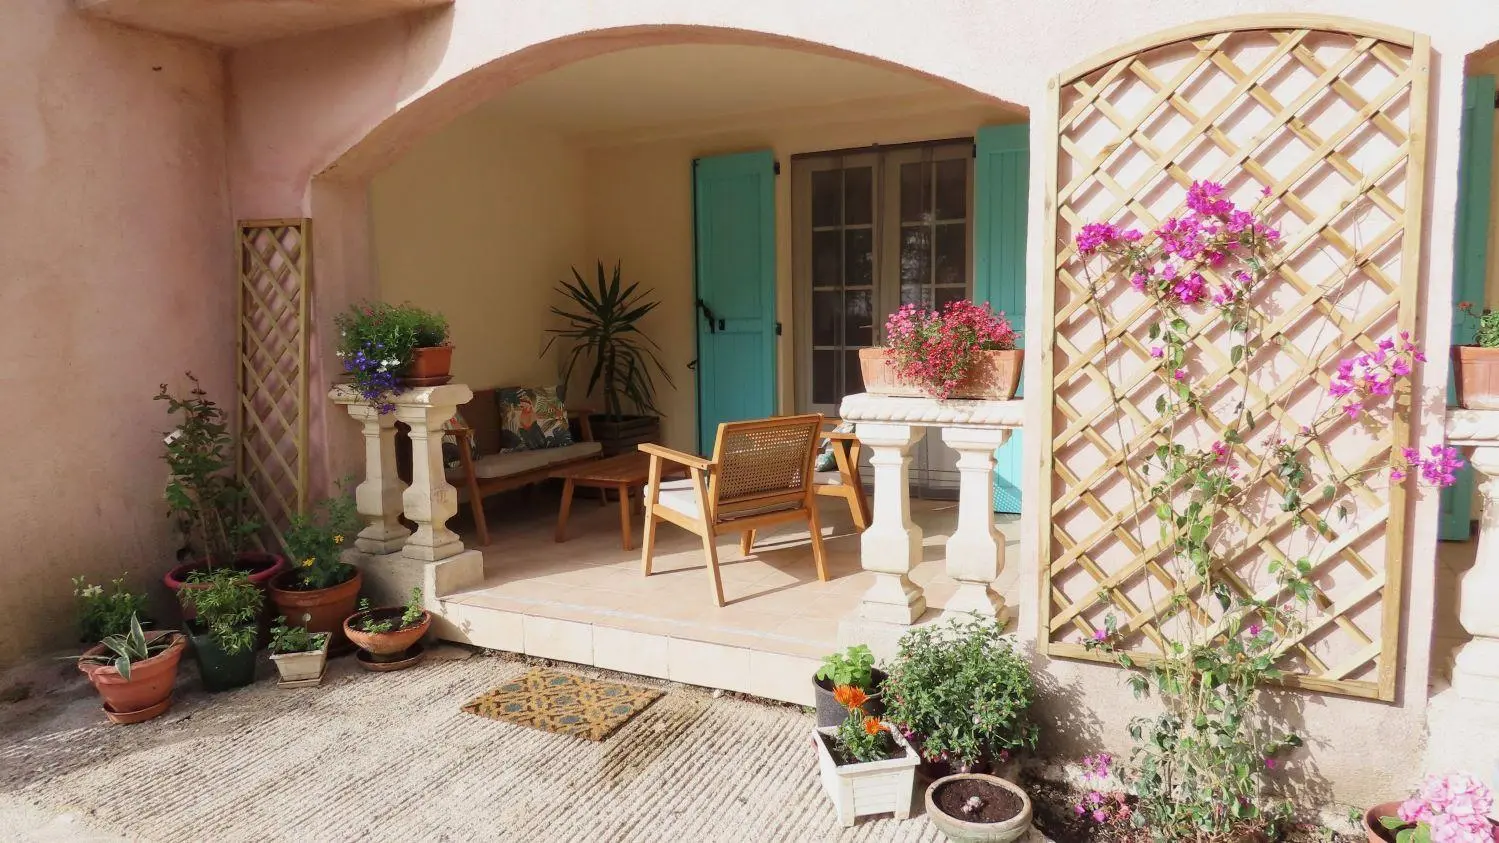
{"x": 621, "y": 473}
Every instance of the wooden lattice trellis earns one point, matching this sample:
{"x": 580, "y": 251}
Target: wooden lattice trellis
{"x": 275, "y": 258}
{"x": 1329, "y": 117}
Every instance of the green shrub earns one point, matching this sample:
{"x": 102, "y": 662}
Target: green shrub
{"x": 854, "y": 666}
{"x": 962, "y": 690}
{"x": 104, "y": 613}
{"x": 228, "y": 607}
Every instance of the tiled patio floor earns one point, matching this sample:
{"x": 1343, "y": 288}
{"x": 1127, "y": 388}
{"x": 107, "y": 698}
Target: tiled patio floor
{"x": 775, "y": 602}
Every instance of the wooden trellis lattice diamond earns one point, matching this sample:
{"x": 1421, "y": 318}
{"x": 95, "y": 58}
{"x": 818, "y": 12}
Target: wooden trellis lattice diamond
{"x": 1324, "y": 118}
{"x": 275, "y": 259}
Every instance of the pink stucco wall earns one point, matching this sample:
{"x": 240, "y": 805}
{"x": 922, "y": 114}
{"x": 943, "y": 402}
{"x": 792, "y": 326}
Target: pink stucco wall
{"x": 115, "y": 276}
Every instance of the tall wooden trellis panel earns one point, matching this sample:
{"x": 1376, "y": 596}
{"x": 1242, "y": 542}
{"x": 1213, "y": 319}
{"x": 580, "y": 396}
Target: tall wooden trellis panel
{"x": 275, "y": 259}
{"x": 1328, "y": 117}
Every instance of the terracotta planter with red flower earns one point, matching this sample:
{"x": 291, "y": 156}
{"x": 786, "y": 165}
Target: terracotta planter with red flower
{"x": 965, "y": 350}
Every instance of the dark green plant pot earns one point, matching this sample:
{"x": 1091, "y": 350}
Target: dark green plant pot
{"x": 221, "y": 671}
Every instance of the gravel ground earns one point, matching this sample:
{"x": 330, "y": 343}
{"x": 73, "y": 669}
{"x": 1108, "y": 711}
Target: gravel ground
{"x": 390, "y": 757}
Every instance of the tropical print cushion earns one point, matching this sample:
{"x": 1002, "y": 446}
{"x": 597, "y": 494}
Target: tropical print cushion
{"x": 532, "y": 419}
{"x": 825, "y": 460}
{"x": 451, "y": 457}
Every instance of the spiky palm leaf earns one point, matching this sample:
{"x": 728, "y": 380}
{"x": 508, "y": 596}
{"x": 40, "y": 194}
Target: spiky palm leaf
{"x": 603, "y": 325}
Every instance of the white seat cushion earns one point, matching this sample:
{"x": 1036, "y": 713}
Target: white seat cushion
{"x": 828, "y": 478}
{"x": 512, "y": 463}
{"x": 680, "y": 496}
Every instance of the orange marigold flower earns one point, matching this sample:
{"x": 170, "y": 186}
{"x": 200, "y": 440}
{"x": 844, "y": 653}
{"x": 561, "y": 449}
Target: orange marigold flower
{"x": 850, "y": 697}
{"x": 871, "y": 725}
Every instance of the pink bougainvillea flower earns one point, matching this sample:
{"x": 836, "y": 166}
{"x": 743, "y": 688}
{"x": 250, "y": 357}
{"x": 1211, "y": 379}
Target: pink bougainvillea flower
{"x": 1254, "y": 630}
{"x": 1270, "y": 763}
{"x": 1397, "y": 475}
{"x": 1157, "y": 352}
{"x": 1096, "y": 235}
{"x": 1100, "y": 815}
{"x": 1179, "y": 374}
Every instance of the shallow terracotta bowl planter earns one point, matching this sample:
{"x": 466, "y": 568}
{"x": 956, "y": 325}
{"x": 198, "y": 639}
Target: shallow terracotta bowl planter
{"x": 386, "y": 646}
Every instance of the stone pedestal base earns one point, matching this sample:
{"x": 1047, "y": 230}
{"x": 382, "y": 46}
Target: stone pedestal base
{"x": 389, "y": 578}
{"x": 1475, "y": 672}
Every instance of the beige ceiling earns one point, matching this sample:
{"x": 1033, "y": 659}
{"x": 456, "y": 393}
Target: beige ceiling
{"x": 652, "y": 86}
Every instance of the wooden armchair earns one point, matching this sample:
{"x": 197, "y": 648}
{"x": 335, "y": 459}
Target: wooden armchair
{"x": 760, "y": 475}
{"x": 844, "y": 481}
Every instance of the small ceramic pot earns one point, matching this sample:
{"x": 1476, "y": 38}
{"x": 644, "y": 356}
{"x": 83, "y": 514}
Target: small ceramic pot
{"x": 963, "y": 831}
{"x": 302, "y": 669}
{"x": 385, "y": 646}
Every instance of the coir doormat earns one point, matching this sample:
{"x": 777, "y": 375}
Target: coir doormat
{"x": 564, "y": 703}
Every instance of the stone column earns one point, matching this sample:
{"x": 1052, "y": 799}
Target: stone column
{"x": 378, "y": 498}
{"x": 976, "y": 550}
{"x": 1475, "y": 674}
{"x": 430, "y": 500}
{"x": 891, "y": 546}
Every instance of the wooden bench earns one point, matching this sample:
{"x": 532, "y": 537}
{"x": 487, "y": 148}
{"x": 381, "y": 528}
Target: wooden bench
{"x": 494, "y": 471}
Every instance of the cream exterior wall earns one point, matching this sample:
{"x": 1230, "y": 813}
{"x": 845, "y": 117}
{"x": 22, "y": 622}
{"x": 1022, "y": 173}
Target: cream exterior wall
{"x": 479, "y": 222}
{"x": 115, "y": 276}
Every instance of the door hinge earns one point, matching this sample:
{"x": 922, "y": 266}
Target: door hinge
{"x": 778, "y": 329}
{"x": 776, "y": 168}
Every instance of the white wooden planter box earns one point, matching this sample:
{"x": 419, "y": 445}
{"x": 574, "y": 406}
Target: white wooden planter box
{"x": 299, "y": 670}
{"x": 874, "y": 787}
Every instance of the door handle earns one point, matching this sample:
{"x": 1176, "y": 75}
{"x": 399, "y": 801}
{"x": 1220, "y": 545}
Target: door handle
{"x": 714, "y": 323}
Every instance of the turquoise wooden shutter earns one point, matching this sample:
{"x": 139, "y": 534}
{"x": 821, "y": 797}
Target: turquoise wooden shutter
{"x": 1001, "y": 180}
{"x": 1475, "y": 166}
{"x": 734, "y": 201}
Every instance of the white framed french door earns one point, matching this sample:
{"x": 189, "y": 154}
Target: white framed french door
{"x": 873, "y": 230}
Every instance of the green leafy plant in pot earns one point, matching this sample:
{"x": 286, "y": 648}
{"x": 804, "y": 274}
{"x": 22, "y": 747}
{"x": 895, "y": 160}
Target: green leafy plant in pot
{"x": 134, "y": 672}
{"x": 203, "y": 494}
{"x": 299, "y": 656}
{"x": 318, "y": 586}
{"x": 389, "y": 636}
{"x": 604, "y": 330}
{"x": 384, "y": 346}
{"x": 1476, "y": 364}
{"x": 226, "y": 628}
{"x": 103, "y": 613}
{"x": 853, "y": 667}
{"x": 962, "y": 693}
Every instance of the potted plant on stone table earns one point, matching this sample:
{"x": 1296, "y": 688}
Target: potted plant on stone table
{"x": 1475, "y": 365}
{"x": 866, "y": 767}
{"x": 225, "y": 627}
{"x": 389, "y": 638}
{"x": 603, "y": 326}
{"x": 385, "y": 347}
{"x": 319, "y": 587}
{"x": 852, "y": 668}
{"x": 134, "y": 672}
{"x": 965, "y": 350}
{"x": 300, "y": 657}
{"x": 204, "y": 496}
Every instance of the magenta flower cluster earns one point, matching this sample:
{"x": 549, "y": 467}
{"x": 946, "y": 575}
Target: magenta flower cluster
{"x": 1453, "y": 808}
{"x": 1213, "y": 230}
{"x": 1438, "y": 468}
{"x": 1373, "y": 374}
{"x": 936, "y": 349}
{"x": 1103, "y": 802}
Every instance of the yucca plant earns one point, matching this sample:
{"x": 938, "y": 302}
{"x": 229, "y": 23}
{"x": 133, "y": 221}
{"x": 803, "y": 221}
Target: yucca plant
{"x": 603, "y": 325}
{"x": 129, "y": 647}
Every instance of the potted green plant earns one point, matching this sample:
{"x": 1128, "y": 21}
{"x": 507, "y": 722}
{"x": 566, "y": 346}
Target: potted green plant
{"x": 865, "y": 767}
{"x": 852, "y": 668}
{"x": 104, "y": 613}
{"x": 225, "y": 628}
{"x": 965, "y": 350}
{"x": 318, "y": 586}
{"x": 962, "y": 693}
{"x": 134, "y": 672}
{"x": 1455, "y": 807}
{"x": 604, "y": 329}
{"x": 1475, "y": 365}
{"x": 300, "y": 656}
{"x": 203, "y": 494}
{"x": 389, "y": 637}
{"x": 384, "y": 346}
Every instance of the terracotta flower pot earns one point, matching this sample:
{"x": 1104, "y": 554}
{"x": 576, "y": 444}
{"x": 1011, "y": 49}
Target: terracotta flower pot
{"x": 963, "y": 831}
{"x": 429, "y": 364}
{"x": 262, "y": 568}
{"x": 994, "y": 375}
{"x": 150, "y": 682}
{"x": 319, "y": 609}
{"x": 386, "y": 646}
{"x": 1476, "y": 376}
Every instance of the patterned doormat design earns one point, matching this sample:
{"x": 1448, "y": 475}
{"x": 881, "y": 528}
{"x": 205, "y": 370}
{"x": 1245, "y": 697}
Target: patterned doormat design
{"x": 564, "y": 703}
